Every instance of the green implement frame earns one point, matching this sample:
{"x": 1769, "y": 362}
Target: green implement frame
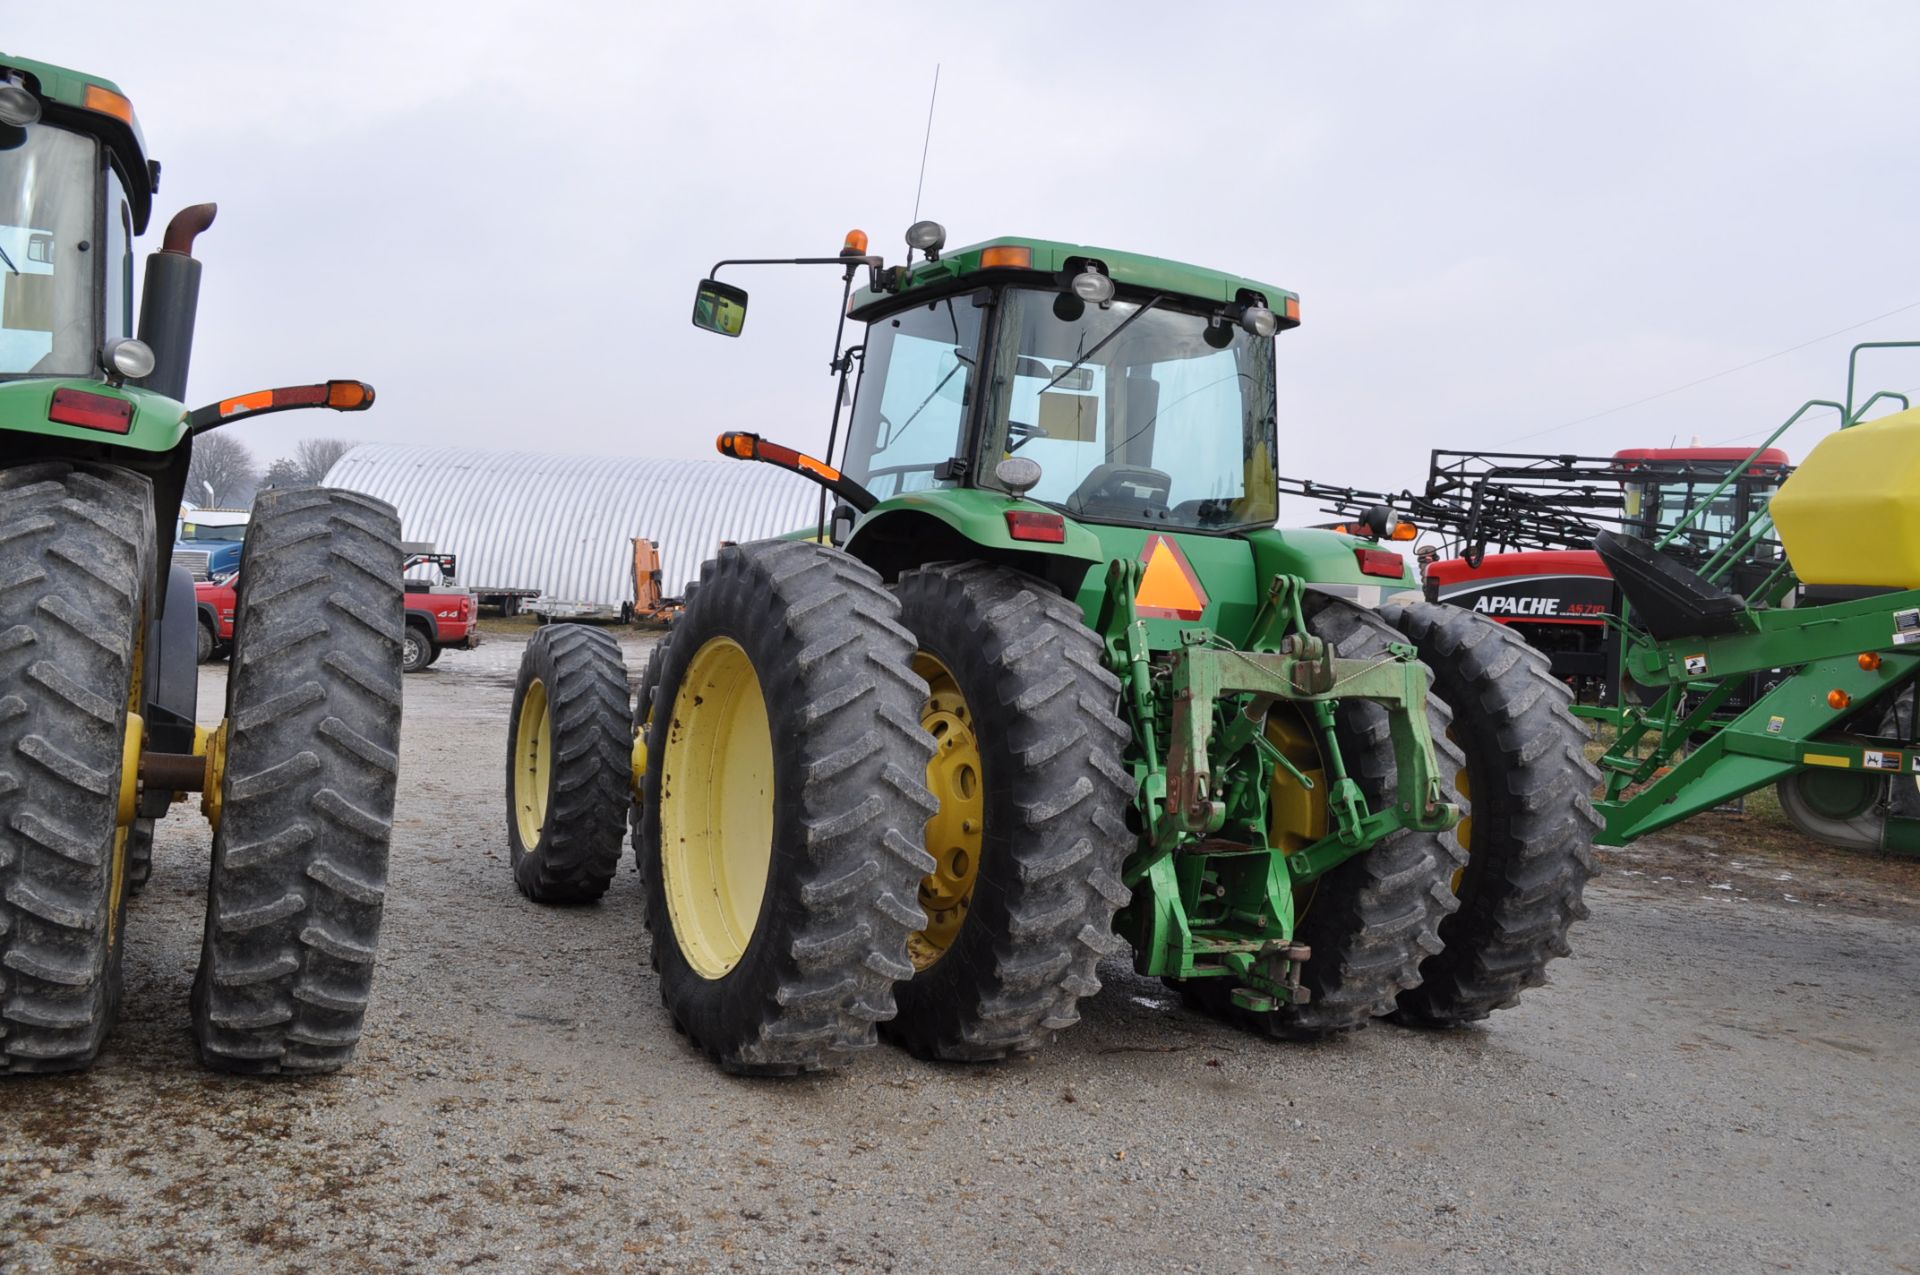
{"x": 1808, "y": 676}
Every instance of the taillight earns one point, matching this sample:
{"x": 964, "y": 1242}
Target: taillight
{"x": 1381, "y": 562}
{"x": 1031, "y": 524}
{"x": 91, "y": 411}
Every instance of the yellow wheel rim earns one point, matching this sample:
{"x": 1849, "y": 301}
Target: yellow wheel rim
{"x": 1463, "y": 831}
{"x": 532, "y": 763}
{"x": 954, "y": 835}
{"x": 131, "y": 743}
{"x": 1296, "y": 816}
{"x": 716, "y": 808}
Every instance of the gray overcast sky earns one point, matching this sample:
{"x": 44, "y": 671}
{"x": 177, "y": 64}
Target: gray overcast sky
{"x": 1500, "y": 217}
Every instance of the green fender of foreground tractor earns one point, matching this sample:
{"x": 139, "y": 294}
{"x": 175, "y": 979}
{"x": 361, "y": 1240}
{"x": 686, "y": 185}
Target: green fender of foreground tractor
{"x": 154, "y": 423}
{"x": 927, "y": 526}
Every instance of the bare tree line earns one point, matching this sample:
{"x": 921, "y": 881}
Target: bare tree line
{"x": 224, "y": 472}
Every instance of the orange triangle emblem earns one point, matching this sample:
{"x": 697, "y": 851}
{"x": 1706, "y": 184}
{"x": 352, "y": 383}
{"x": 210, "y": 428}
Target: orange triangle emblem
{"x": 1169, "y": 589}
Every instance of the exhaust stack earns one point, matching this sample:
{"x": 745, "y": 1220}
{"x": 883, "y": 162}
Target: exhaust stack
{"x": 170, "y": 300}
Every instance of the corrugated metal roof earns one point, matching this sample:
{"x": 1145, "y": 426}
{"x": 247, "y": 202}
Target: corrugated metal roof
{"x": 564, "y": 524}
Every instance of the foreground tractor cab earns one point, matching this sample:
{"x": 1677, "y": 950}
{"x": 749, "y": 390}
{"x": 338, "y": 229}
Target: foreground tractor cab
{"x": 1055, "y": 688}
{"x": 98, "y": 634}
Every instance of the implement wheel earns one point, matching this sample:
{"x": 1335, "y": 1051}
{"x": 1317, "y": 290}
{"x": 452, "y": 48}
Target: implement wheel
{"x": 783, "y": 809}
{"x": 1374, "y": 918}
{"x": 307, "y": 770}
{"x": 1529, "y": 825}
{"x": 568, "y": 762}
{"x": 1031, "y": 831}
{"x": 76, "y": 574}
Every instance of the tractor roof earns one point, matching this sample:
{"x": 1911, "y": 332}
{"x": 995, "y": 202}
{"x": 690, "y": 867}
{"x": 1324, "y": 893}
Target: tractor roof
{"x": 1047, "y": 259}
{"x": 90, "y": 103}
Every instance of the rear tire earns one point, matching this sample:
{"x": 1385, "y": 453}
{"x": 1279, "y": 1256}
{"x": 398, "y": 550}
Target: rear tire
{"x": 299, "y": 870}
{"x": 139, "y": 855}
{"x": 203, "y": 643}
{"x": 77, "y": 572}
{"x": 784, "y": 809}
{"x": 569, "y": 762}
{"x": 1529, "y": 823}
{"x": 1032, "y": 829}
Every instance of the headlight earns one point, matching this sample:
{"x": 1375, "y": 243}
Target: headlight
{"x": 129, "y": 357}
{"x": 1018, "y": 474}
{"x": 928, "y": 237}
{"x": 1092, "y": 286}
{"x": 17, "y": 106}
{"x": 1259, "y": 320}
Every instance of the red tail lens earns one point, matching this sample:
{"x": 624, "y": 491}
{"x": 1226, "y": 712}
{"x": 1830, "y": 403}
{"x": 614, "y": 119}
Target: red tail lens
{"x": 1381, "y": 562}
{"x": 91, "y": 411}
{"x": 1029, "y": 524}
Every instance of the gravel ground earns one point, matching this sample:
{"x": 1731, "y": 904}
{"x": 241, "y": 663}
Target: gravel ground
{"x": 1727, "y": 1077}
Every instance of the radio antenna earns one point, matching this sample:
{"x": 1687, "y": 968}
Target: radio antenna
{"x": 926, "y": 142}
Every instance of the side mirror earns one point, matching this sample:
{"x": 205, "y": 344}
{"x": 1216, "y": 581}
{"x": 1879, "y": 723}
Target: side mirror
{"x": 720, "y": 307}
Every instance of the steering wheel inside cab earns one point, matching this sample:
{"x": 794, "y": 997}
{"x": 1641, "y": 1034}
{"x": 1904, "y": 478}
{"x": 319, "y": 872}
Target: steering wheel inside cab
{"x": 1121, "y": 491}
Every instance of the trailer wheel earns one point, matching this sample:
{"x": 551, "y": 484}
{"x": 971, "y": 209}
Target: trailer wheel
{"x": 784, "y": 806}
{"x": 568, "y": 765}
{"x": 1374, "y": 918}
{"x": 1031, "y": 830}
{"x": 76, "y": 575}
{"x": 306, "y": 787}
{"x": 1529, "y": 823}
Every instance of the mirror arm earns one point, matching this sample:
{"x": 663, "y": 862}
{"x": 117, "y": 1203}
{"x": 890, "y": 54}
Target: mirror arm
{"x": 744, "y": 446}
{"x": 341, "y": 396}
{"x": 873, "y": 264}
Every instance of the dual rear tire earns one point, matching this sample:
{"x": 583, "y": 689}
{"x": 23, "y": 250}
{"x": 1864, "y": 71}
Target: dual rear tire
{"x": 299, "y": 860}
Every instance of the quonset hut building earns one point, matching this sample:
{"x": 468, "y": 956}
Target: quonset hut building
{"x": 564, "y": 525}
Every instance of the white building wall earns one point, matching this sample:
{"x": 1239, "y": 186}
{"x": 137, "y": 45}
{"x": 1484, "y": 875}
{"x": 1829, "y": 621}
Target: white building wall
{"x": 563, "y": 524}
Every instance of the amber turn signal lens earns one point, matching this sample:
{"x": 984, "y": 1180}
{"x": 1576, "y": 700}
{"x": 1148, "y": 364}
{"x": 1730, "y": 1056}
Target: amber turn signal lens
{"x": 1838, "y": 699}
{"x": 1007, "y": 257}
{"x": 107, "y": 102}
{"x": 1405, "y": 531}
{"x": 349, "y": 396}
{"x": 1292, "y": 309}
{"x": 1870, "y": 660}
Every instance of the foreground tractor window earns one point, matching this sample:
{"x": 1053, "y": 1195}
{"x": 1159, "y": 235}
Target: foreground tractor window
{"x": 914, "y": 396}
{"x": 1167, "y": 423}
{"x": 46, "y": 276}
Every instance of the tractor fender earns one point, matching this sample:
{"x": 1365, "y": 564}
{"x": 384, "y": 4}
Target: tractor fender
{"x": 908, "y": 531}
{"x": 1330, "y": 563}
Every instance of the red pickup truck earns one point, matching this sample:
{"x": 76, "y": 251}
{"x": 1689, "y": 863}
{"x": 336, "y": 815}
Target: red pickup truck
{"x": 436, "y": 619}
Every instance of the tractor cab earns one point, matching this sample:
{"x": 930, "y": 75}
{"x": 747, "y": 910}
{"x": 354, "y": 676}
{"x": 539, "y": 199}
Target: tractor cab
{"x": 1139, "y": 399}
{"x": 75, "y": 189}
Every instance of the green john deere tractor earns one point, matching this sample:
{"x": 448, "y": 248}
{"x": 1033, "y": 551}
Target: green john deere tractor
{"x": 1048, "y": 686}
{"x": 98, "y": 634}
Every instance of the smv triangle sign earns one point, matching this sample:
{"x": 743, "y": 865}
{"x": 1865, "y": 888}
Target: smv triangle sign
{"x": 1169, "y": 588}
